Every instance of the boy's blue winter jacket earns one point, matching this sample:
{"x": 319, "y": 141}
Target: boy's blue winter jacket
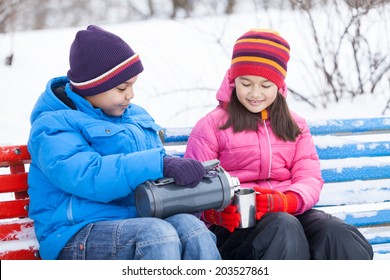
{"x": 86, "y": 165}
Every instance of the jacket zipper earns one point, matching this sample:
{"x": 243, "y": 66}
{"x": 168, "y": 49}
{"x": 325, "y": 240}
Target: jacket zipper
{"x": 69, "y": 210}
{"x": 270, "y": 150}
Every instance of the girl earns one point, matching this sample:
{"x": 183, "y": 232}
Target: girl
{"x": 257, "y": 139}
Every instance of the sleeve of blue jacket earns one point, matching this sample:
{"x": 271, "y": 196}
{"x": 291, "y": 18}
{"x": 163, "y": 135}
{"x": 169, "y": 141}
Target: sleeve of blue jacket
{"x": 67, "y": 160}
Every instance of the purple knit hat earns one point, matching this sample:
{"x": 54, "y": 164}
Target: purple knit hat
{"x": 99, "y": 61}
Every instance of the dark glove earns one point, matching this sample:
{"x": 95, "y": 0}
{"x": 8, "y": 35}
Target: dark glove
{"x": 185, "y": 171}
{"x": 268, "y": 200}
{"x": 227, "y": 218}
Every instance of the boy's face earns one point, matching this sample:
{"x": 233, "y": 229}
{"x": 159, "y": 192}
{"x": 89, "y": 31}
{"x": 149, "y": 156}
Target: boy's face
{"x": 115, "y": 101}
{"x": 255, "y": 93}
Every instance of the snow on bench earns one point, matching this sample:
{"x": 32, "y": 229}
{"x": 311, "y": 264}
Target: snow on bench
{"x": 355, "y": 164}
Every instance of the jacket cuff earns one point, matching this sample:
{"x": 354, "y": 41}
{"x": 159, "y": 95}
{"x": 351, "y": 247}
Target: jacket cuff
{"x": 294, "y": 202}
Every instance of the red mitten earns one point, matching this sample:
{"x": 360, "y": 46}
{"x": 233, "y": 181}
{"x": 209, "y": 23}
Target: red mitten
{"x": 228, "y": 218}
{"x": 268, "y": 200}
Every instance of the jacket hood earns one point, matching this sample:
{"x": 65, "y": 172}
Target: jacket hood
{"x": 225, "y": 90}
{"x": 48, "y": 101}
{"x": 56, "y": 99}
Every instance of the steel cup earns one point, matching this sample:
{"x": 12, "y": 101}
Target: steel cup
{"x": 245, "y": 201}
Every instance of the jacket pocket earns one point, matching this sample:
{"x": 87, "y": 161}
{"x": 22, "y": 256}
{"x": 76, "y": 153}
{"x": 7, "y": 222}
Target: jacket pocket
{"x": 109, "y": 139}
{"x": 99, "y": 131}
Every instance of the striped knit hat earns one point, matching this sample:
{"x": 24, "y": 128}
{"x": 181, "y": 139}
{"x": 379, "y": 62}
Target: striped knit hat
{"x": 260, "y": 52}
{"x": 100, "y": 61}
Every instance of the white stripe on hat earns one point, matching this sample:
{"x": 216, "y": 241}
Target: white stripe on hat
{"x": 104, "y": 74}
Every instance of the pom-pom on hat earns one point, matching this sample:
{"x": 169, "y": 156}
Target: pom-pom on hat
{"x": 260, "y": 52}
{"x": 99, "y": 61}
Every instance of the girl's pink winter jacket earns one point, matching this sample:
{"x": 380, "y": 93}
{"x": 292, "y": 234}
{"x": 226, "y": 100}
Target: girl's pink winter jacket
{"x": 259, "y": 158}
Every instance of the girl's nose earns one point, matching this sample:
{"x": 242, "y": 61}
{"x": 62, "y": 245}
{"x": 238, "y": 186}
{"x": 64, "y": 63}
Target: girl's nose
{"x": 256, "y": 92}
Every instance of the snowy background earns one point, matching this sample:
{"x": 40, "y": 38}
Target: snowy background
{"x": 184, "y": 61}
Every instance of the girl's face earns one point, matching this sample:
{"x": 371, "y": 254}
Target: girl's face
{"x": 115, "y": 101}
{"x": 255, "y": 93}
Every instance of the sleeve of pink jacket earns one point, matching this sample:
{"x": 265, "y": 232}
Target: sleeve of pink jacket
{"x": 203, "y": 146}
{"x": 306, "y": 179}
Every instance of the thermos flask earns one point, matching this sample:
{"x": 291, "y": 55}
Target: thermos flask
{"x": 163, "y": 198}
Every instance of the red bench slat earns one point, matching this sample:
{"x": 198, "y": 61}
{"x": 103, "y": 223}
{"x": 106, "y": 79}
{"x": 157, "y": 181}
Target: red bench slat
{"x": 13, "y": 182}
{"x": 22, "y": 254}
{"x": 14, "y": 209}
{"x": 14, "y": 155}
{"x": 10, "y": 231}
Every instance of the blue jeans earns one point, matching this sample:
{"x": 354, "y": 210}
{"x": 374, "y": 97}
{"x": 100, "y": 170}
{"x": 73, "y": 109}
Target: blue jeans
{"x": 181, "y": 236}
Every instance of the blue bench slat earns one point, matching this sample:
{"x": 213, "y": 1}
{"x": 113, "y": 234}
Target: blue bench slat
{"x": 178, "y": 139}
{"x": 354, "y": 126}
{"x": 381, "y": 251}
{"x": 333, "y": 175}
{"x": 173, "y": 136}
{"x": 379, "y": 240}
{"x": 367, "y": 218}
{"x": 366, "y": 149}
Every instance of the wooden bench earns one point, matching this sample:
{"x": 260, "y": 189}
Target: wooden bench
{"x": 355, "y": 164}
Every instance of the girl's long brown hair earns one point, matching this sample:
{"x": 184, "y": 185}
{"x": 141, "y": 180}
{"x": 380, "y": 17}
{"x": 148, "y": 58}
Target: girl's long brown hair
{"x": 282, "y": 123}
